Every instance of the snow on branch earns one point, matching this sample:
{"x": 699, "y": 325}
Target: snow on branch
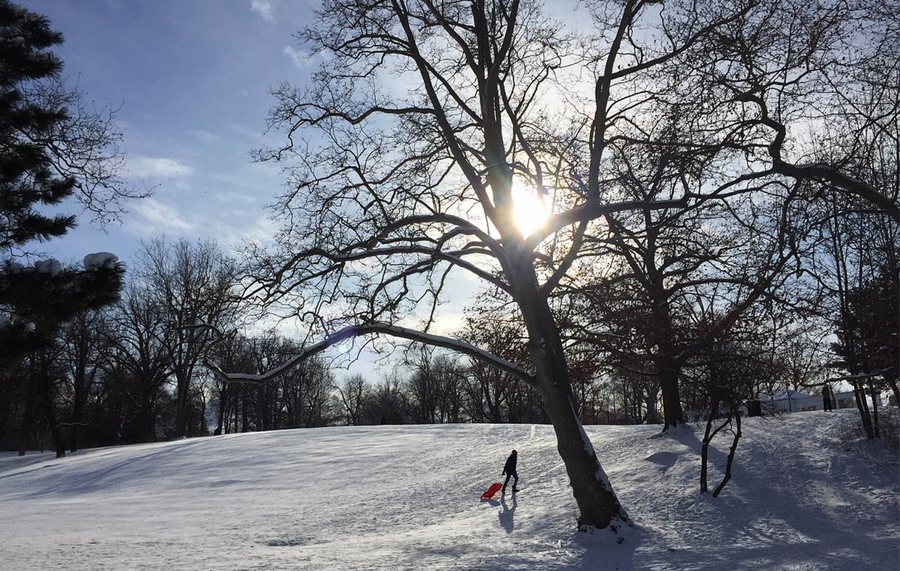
{"x": 373, "y": 329}
{"x": 100, "y": 260}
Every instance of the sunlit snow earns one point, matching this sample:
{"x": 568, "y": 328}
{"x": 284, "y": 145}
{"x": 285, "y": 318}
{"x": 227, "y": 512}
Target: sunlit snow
{"x": 407, "y": 497}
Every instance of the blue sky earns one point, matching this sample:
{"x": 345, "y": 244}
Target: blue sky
{"x": 191, "y": 81}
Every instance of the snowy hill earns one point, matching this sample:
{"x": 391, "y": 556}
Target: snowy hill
{"x": 406, "y": 497}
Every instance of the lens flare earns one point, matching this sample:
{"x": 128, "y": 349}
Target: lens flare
{"x": 529, "y": 210}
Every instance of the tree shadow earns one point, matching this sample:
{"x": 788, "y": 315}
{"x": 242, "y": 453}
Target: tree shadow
{"x": 91, "y": 477}
{"x": 664, "y": 460}
{"x": 608, "y": 548}
{"x": 781, "y": 507}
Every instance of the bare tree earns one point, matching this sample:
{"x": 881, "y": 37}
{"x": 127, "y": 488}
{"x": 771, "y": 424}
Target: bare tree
{"x": 387, "y": 403}
{"x": 792, "y": 67}
{"x": 435, "y": 387}
{"x": 403, "y": 186}
{"x": 85, "y": 147}
{"x": 192, "y": 284}
{"x": 422, "y": 386}
{"x": 730, "y": 365}
{"x": 398, "y": 190}
{"x": 318, "y": 385}
{"x": 139, "y": 361}
{"x": 495, "y": 395}
{"x": 83, "y": 350}
{"x": 298, "y": 397}
{"x": 726, "y": 124}
{"x": 661, "y": 266}
{"x": 450, "y": 376}
{"x": 233, "y": 351}
{"x": 353, "y": 392}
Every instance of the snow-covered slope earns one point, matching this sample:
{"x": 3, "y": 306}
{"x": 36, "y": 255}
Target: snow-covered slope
{"x": 406, "y": 497}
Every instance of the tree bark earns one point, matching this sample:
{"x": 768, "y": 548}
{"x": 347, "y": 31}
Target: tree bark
{"x": 673, "y": 414}
{"x": 597, "y": 503}
{"x": 734, "y": 443}
{"x": 668, "y": 368}
{"x": 223, "y": 402}
{"x": 181, "y": 404}
{"x": 46, "y": 394}
{"x": 863, "y": 408}
{"x": 704, "y": 449}
{"x": 876, "y": 427}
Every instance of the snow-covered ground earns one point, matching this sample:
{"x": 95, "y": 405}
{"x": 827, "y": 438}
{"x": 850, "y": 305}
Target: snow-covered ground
{"x": 406, "y": 497}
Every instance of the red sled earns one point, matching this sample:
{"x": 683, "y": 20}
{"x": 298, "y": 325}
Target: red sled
{"x": 495, "y": 487}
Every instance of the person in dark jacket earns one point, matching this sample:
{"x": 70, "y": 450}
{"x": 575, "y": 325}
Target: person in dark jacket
{"x": 827, "y": 398}
{"x": 510, "y": 470}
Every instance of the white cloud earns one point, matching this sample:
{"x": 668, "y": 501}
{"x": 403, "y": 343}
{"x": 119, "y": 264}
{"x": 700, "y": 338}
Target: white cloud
{"x": 265, "y": 9}
{"x": 157, "y": 167}
{"x": 298, "y": 58}
{"x": 159, "y": 217}
{"x": 449, "y": 323}
{"x": 260, "y": 230}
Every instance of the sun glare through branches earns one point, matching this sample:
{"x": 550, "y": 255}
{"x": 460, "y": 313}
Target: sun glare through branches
{"x": 531, "y": 209}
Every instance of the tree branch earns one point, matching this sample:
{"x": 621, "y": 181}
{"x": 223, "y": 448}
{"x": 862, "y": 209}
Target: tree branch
{"x": 374, "y": 329}
{"x": 591, "y": 211}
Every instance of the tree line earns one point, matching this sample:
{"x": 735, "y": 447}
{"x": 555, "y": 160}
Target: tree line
{"x": 134, "y": 371}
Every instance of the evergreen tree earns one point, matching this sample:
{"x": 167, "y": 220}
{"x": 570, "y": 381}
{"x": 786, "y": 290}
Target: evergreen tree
{"x": 33, "y": 141}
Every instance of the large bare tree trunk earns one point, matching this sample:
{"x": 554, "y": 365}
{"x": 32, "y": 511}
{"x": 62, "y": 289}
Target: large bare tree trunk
{"x": 673, "y": 414}
{"x": 597, "y": 503}
{"x": 667, "y": 367}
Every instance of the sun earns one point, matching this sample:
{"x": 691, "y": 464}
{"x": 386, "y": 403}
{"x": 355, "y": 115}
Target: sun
{"x": 529, "y": 209}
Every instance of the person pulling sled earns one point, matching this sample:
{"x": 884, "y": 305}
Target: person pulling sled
{"x": 510, "y": 470}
